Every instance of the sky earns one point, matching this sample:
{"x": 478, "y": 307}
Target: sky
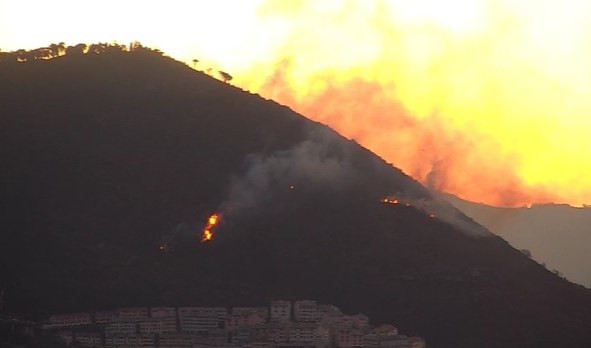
{"x": 485, "y": 99}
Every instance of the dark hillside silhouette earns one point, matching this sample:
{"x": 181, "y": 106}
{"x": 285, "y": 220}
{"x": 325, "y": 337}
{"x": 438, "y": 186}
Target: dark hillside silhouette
{"x": 554, "y": 234}
{"x": 107, "y": 157}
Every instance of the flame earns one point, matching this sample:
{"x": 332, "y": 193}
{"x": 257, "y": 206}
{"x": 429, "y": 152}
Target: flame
{"x": 207, "y": 233}
{"x": 389, "y": 200}
{"x": 422, "y": 205}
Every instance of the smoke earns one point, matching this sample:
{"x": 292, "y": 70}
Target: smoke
{"x": 454, "y": 94}
{"x": 443, "y": 210}
{"x": 470, "y": 164}
{"x": 309, "y": 165}
{"x": 326, "y": 168}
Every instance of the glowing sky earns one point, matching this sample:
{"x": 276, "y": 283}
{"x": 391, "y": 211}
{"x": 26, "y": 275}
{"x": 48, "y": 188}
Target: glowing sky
{"x": 485, "y": 99}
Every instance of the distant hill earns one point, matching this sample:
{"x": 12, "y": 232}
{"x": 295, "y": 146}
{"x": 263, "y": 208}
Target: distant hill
{"x": 556, "y": 234}
{"x": 113, "y": 162}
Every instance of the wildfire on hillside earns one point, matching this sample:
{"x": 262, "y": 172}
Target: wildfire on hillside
{"x": 389, "y": 200}
{"x": 422, "y": 205}
{"x": 207, "y": 233}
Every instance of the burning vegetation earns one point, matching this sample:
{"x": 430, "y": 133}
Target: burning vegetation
{"x": 207, "y": 233}
{"x": 389, "y": 200}
{"x": 422, "y": 205}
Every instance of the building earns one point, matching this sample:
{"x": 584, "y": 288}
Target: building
{"x": 306, "y": 311}
{"x": 88, "y": 339}
{"x": 322, "y": 335}
{"x": 385, "y": 330}
{"x": 262, "y": 311}
{"x": 314, "y": 326}
{"x": 317, "y": 334}
{"x": 280, "y": 311}
{"x": 270, "y": 332}
{"x": 176, "y": 341}
{"x": 128, "y": 341}
{"x": 201, "y": 319}
{"x": 68, "y": 320}
{"x": 348, "y": 337}
{"x": 157, "y": 325}
{"x": 162, "y": 312}
{"x": 390, "y": 341}
{"x": 103, "y": 317}
{"x": 240, "y": 320}
{"x": 240, "y": 336}
{"x": 120, "y": 328}
{"x": 337, "y": 321}
{"x": 132, "y": 313}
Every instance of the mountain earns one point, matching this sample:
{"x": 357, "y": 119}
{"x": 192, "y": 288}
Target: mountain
{"x": 113, "y": 162}
{"x": 557, "y": 235}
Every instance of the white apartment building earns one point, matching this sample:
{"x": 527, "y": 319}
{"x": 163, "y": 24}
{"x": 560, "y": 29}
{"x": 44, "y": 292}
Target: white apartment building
{"x": 235, "y": 321}
{"x": 132, "y": 313}
{"x": 89, "y": 339}
{"x": 385, "y": 330}
{"x": 120, "y": 328}
{"x": 220, "y": 312}
{"x": 140, "y": 341}
{"x": 102, "y": 317}
{"x": 280, "y": 311}
{"x": 68, "y": 320}
{"x": 176, "y": 341}
{"x": 198, "y": 323}
{"x": 306, "y": 311}
{"x": 302, "y": 333}
{"x": 348, "y": 337}
{"x": 162, "y": 312}
{"x": 157, "y": 325}
{"x": 262, "y": 311}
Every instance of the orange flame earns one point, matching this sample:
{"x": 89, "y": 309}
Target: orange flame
{"x": 212, "y": 221}
{"x": 389, "y": 200}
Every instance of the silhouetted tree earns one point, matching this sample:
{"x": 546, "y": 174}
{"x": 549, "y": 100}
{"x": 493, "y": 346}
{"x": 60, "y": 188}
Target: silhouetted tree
{"x": 76, "y": 50}
{"x": 225, "y": 76}
{"x": 21, "y": 55}
{"x": 134, "y": 46}
{"x": 61, "y": 48}
{"x": 97, "y": 48}
{"x": 195, "y": 61}
{"x": 41, "y": 53}
{"x": 55, "y": 49}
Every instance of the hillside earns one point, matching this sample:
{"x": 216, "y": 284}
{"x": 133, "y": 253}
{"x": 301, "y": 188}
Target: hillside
{"x": 109, "y": 158}
{"x": 556, "y": 234}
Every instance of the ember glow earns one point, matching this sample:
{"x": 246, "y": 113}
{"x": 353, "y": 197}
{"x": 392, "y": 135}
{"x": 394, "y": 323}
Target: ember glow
{"x": 207, "y": 233}
{"x": 421, "y": 204}
{"x": 486, "y": 99}
{"x": 389, "y": 200}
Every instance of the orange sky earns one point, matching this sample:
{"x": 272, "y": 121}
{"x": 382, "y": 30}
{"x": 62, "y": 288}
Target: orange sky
{"x": 487, "y": 99}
